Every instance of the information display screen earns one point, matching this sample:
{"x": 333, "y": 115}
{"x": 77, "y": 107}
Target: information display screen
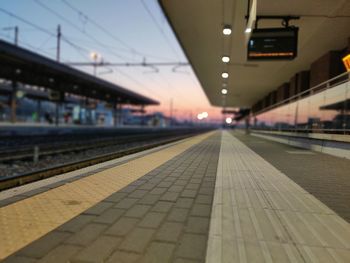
{"x": 273, "y": 44}
{"x": 346, "y": 61}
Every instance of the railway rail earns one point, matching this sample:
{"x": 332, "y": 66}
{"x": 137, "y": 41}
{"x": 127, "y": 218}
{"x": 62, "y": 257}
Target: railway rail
{"x": 28, "y": 152}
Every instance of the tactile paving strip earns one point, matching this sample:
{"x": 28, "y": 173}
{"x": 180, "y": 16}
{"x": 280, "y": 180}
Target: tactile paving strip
{"x": 29, "y": 219}
{"x": 260, "y": 215}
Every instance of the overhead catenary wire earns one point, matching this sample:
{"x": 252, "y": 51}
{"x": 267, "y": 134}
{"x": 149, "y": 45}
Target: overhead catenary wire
{"x": 69, "y": 22}
{"x": 113, "y": 47}
{"x": 42, "y": 29}
{"x": 159, "y": 28}
{"x": 27, "y": 22}
{"x": 49, "y": 9}
{"x": 108, "y": 33}
{"x": 140, "y": 83}
{"x": 81, "y": 13}
{"x": 25, "y": 43}
{"x": 78, "y": 28}
{"x": 80, "y": 50}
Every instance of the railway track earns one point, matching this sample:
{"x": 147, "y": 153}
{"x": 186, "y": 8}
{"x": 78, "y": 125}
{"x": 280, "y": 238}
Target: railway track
{"x": 17, "y": 180}
{"x": 27, "y": 152}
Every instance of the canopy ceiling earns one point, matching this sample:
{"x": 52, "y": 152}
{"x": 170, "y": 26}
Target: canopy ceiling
{"x": 198, "y": 26}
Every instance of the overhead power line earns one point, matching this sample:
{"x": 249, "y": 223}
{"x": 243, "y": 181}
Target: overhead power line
{"x": 27, "y": 22}
{"x": 108, "y": 33}
{"x": 103, "y": 29}
{"x": 129, "y": 64}
{"x": 78, "y": 28}
{"x": 42, "y": 29}
{"x": 159, "y": 28}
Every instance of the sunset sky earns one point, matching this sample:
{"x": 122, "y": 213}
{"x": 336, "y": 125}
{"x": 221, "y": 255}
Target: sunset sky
{"x": 120, "y": 31}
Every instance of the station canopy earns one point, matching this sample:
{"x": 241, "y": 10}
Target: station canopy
{"x": 324, "y": 25}
{"x": 27, "y": 67}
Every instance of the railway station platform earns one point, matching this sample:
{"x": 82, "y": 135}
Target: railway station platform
{"x": 221, "y": 196}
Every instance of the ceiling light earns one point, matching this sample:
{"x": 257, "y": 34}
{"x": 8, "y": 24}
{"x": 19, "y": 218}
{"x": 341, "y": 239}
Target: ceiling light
{"x": 248, "y": 30}
{"x": 224, "y": 91}
{"x": 225, "y": 59}
{"x": 227, "y": 30}
{"x": 228, "y": 120}
{"x": 224, "y": 75}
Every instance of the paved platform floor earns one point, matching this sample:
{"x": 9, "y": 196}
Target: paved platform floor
{"x": 211, "y": 198}
{"x": 325, "y": 176}
{"x": 161, "y": 215}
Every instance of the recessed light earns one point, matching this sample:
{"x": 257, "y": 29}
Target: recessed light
{"x": 224, "y": 75}
{"x": 224, "y": 91}
{"x": 228, "y": 120}
{"x": 225, "y": 59}
{"x": 227, "y": 30}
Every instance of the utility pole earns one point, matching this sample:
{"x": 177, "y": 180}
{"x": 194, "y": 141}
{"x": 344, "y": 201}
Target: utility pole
{"x": 58, "y": 53}
{"x": 16, "y": 35}
{"x": 15, "y": 29}
{"x": 58, "y": 43}
{"x": 13, "y": 98}
{"x": 224, "y": 109}
{"x": 171, "y": 111}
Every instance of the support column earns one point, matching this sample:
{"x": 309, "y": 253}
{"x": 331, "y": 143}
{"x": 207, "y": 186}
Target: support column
{"x": 247, "y": 124}
{"x": 38, "y": 109}
{"x": 57, "y": 113}
{"x": 143, "y": 123}
{"x": 115, "y": 114}
{"x": 13, "y": 102}
{"x": 120, "y": 114}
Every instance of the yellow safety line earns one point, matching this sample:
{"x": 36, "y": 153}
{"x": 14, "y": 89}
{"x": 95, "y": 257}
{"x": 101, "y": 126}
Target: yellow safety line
{"x": 25, "y": 221}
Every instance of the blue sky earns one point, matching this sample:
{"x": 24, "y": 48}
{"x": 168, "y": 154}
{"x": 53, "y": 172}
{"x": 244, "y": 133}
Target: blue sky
{"x": 137, "y": 30}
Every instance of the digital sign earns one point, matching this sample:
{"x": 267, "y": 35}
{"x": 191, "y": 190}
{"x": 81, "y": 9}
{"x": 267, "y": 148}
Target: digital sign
{"x": 346, "y": 61}
{"x": 273, "y": 44}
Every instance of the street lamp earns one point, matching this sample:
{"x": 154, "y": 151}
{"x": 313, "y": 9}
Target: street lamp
{"x": 202, "y": 115}
{"x": 95, "y": 56}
